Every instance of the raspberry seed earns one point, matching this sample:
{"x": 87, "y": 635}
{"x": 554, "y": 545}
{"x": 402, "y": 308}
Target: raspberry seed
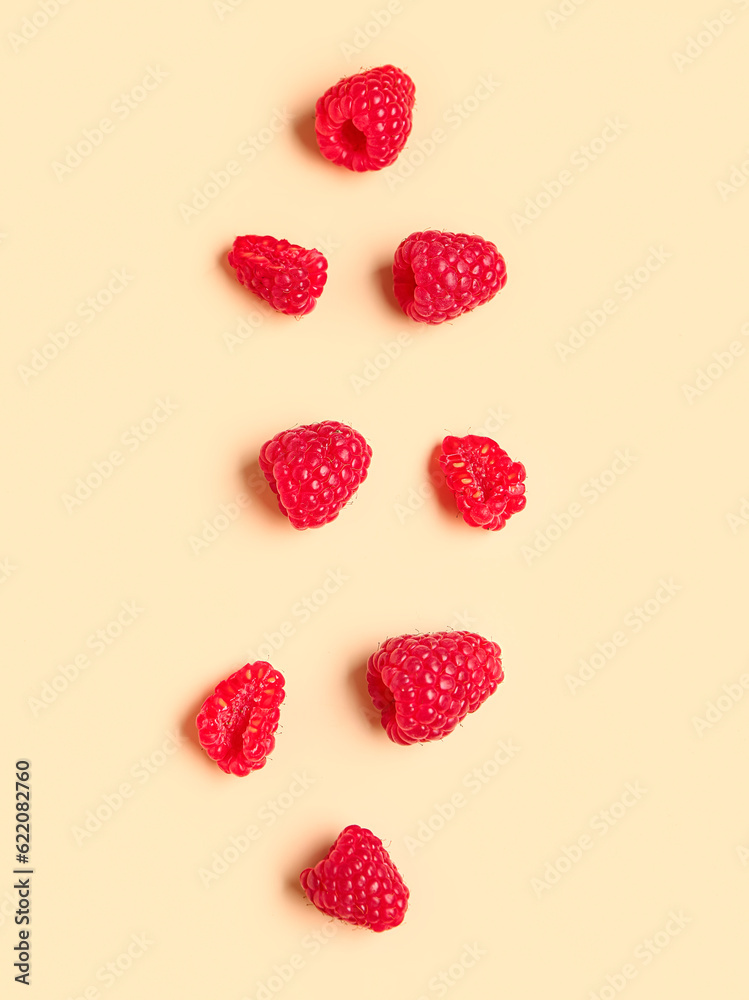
{"x": 488, "y": 486}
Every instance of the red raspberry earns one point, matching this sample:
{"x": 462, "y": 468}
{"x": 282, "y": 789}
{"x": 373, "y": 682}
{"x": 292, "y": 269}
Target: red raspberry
{"x": 357, "y": 882}
{"x": 425, "y": 685}
{"x": 488, "y": 486}
{"x": 237, "y": 724}
{"x": 314, "y": 470}
{"x": 364, "y": 120}
{"x": 438, "y": 276}
{"x": 287, "y": 276}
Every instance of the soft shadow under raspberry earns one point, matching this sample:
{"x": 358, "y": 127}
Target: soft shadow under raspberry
{"x": 442, "y": 492}
{"x": 314, "y": 852}
{"x": 383, "y": 278}
{"x": 304, "y": 129}
{"x": 257, "y": 488}
{"x": 222, "y": 260}
{"x": 189, "y": 730}
{"x": 357, "y": 684}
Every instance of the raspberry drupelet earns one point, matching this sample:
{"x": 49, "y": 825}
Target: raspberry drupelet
{"x": 425, "y": 685}
{"x": 357, "y": 882}
{"x": 439, "y": 276}
{"x": 363, "y": 121}
{"x": 237, "y": 723}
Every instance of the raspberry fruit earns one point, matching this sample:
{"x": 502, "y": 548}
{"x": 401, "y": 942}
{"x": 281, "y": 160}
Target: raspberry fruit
{"x": 287, "y": 276}
{"x": 364, "y": 120}
{"x": 314, "y": 470}
{"x": 488, "y": 486}
{"x": 237, "y": 723}
{"x": 424, "y": 685}
{"x": 438, "y": 276}
{"x": 357, "y": 882}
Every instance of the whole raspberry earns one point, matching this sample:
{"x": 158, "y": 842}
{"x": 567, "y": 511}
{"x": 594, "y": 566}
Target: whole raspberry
{"x": 424, "y": 685}
{"x": 364, "y": 120}
{"x": 237, "y": 724}
{"x": 357, "y": 882}
{"x": 315, "y": 470}
{"x": 438, "y": 276}
{"x": 488, "y": 486}
{"x": 287, "y": 276}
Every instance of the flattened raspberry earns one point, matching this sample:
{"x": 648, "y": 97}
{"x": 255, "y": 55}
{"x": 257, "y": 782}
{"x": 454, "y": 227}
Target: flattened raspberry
{"x": 438, "y": 276}
{"x": 488, "y": 486}
{"x": 287, "y": 276}
{"x": 237, "y": 724}
{"x": 357, "y": 882}
{"x": 425, "y": 685}
{"x": 315, "y": 470}
{"x": 364, "y": 120}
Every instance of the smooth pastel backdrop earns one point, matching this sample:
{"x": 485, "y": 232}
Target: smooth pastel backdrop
{"x": 589, "y": 141}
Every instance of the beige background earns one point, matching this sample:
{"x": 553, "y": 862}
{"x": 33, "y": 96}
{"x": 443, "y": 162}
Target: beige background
{"x": 223, "y": 77}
